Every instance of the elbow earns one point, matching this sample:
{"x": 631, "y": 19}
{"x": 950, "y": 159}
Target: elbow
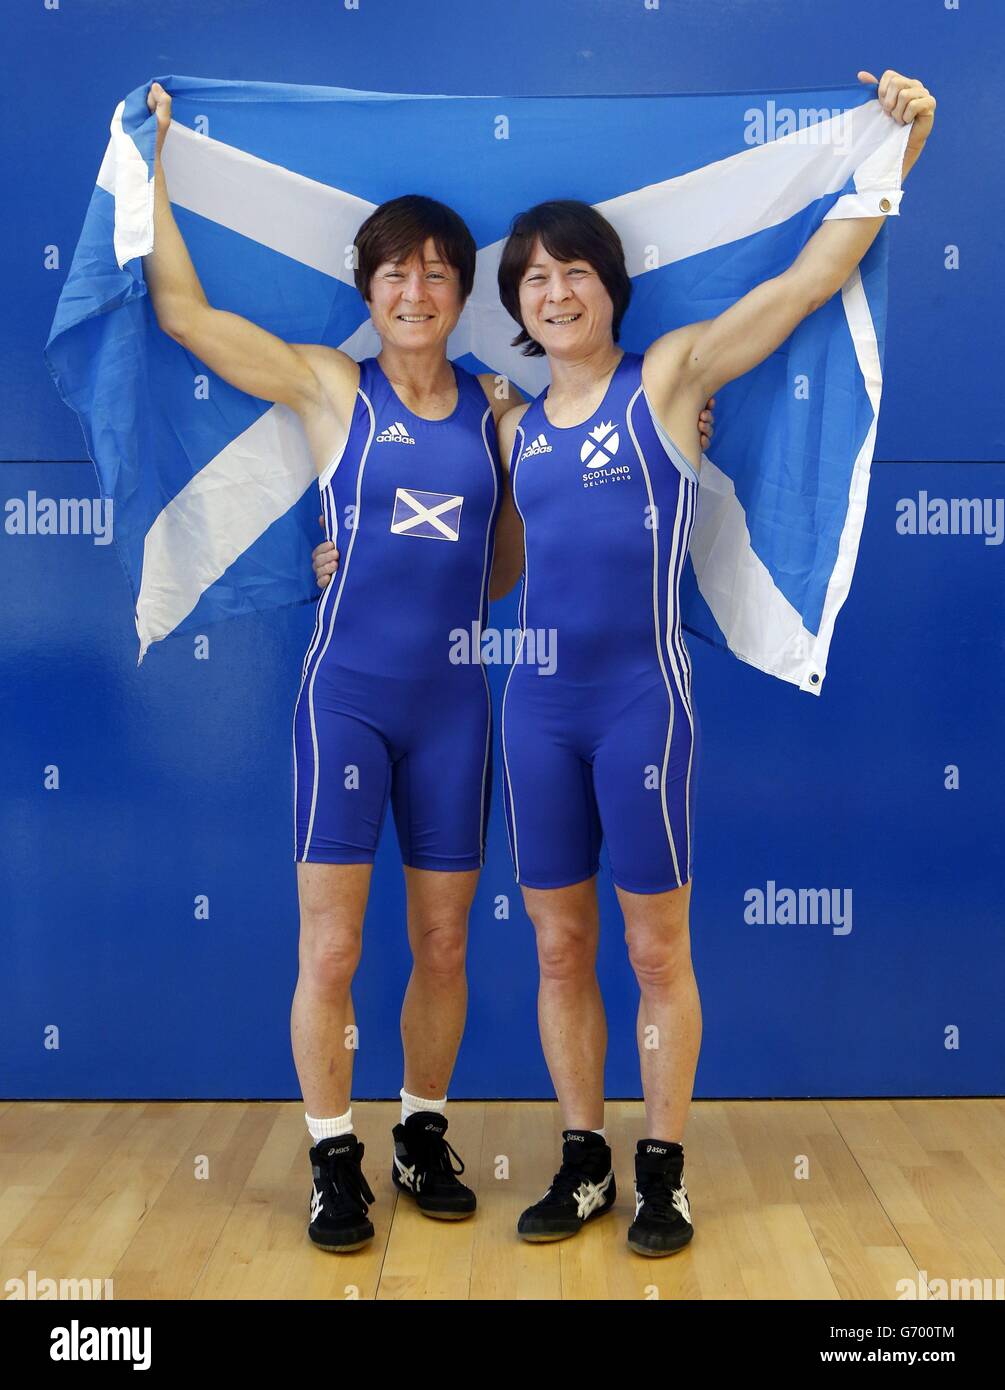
{"x": 177, "y": 318}
{"x": 172, "y": 325}
{"x": 818, "y": 295}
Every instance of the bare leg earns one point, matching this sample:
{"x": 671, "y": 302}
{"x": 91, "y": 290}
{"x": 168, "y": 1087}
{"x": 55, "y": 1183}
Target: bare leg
{"x": 436, "y": 1000}
{"x": 570, "y": 1010}
{"x": 332, "y": 903}
{"x": 669, "y": 1019}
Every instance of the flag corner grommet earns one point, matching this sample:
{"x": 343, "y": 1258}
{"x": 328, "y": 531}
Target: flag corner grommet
{"x": 885, "y": 205}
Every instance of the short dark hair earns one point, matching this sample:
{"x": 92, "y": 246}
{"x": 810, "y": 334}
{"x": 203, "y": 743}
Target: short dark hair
{"x": 402, "y": 226}
{"x": 569, "y": 231}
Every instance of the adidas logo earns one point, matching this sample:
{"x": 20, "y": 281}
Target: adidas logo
{"x": 539, "y": 445}
{"x": 395, "y": 434}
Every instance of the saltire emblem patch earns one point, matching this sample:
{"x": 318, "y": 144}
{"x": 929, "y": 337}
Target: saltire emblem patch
{"x": 433, "y": 516}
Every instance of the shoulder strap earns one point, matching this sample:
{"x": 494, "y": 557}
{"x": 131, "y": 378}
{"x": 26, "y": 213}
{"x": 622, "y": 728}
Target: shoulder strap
{"x": 631, "y": 368}
{"x": 370, "y": 379}
{"x": 471, "y": 390}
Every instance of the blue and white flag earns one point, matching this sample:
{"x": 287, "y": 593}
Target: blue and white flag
{"x": 215, "y": 501}
{"x": 431, "y": 515}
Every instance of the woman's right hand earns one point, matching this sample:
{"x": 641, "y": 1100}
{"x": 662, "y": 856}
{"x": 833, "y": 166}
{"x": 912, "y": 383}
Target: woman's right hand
{"x": 325, "y": 558}
{"x": 159, "y": 102}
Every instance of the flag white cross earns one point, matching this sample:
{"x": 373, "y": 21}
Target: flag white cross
{"x": 705, "y": 207}
{"x": 410, "y": 513}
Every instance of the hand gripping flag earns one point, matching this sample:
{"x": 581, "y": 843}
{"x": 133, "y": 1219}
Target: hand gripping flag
{"x": 214, "y": 491}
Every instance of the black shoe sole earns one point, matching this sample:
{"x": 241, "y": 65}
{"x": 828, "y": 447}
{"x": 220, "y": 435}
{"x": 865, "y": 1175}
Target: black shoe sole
{"x": 546, "y": 1237}
{"x": 656, "y": 1254}
{"x": 429, "y": 1211}
{"x": 343, "y": 1247}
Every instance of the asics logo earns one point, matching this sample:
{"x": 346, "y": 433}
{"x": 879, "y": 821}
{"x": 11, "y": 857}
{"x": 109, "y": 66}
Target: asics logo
{"x": 315, "y": 1203}
{"x": 539, "y": 445}
{"x": 395, "y": 434}
{"x": 590, "y": 1195}
{"x": 600, "y": 445}
{"x": 682, "y": 1204}
{"x": 408, "y": 1175}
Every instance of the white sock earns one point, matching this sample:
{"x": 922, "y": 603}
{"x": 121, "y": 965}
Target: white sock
{"x": 601, "y": 1132}
{"x": 330, "y": 1129}
{"x": 411, "y": 1105}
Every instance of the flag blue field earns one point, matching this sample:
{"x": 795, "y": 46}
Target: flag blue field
{"x": 214, "y": 491}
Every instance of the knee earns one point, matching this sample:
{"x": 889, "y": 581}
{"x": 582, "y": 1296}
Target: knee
{"x": 441, "y": 949}
{"x": 328, "y": 958}
{"x": 565, "y": 948}
{"x": 658, "y": 960}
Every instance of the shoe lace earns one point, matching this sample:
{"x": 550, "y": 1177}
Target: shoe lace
{"x": 344, "y": 1178}
{"x": 437, "y": 1156}
{"x": 566, "y": 1182}
{"x": 658, "y": 1193}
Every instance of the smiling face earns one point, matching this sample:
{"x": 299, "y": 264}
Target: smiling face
{"x": 415, "y": 302}
{"x": 564, "y": 305}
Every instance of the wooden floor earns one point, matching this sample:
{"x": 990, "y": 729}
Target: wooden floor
{"x": 893, "y": 1187}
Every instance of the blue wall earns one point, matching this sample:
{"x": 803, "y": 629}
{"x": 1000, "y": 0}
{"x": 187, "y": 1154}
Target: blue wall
{"x": 174, "y": 778}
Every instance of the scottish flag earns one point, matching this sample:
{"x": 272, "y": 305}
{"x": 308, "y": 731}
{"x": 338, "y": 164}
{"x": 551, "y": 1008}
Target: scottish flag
{"x": 431, "y": 515}
{"x": 215, "y": 500}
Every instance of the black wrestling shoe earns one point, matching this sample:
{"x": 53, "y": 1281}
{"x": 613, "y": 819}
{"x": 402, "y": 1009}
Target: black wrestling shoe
{"x": 341, "y": 1195}
{"x": 582, "y": 1188}
{"x": 662, "y": 1212}
{"x": 423, "y": 1168}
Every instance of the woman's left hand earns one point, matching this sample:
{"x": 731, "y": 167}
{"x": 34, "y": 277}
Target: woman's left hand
{"x": 908, "y": 101}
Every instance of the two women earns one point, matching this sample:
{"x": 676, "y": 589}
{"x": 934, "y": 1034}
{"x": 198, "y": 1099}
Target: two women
{"x": 408, "y": 470}
{"x": 411, "y": 486}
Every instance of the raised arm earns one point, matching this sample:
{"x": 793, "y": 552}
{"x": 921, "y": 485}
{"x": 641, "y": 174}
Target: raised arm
{"x": 247, "y": 356}
{"x": 712, "y": 352}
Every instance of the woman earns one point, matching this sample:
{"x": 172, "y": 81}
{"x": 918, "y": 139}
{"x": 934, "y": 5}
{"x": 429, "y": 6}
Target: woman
{"x": 407, "y": 458}
{"x": 604, "y": 470}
